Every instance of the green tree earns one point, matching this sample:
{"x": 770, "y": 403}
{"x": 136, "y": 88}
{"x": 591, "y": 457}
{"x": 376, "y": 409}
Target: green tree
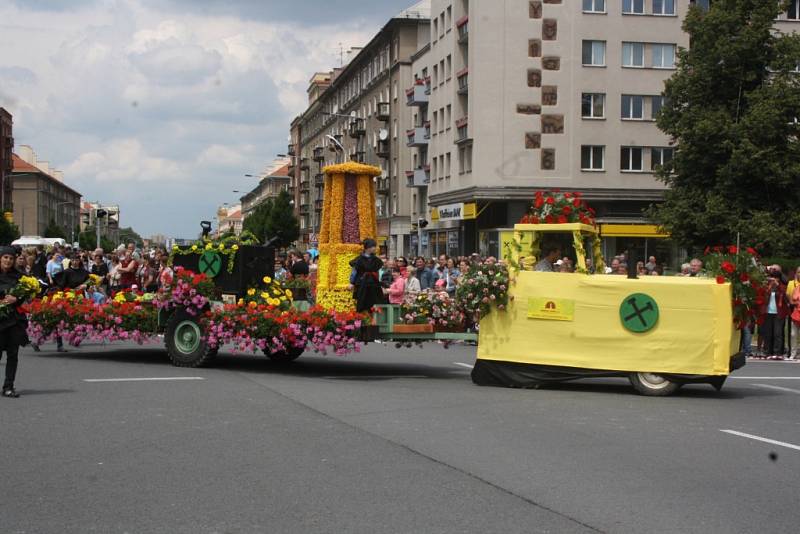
{"x": 256, "y": 222}
{"x": 281, "y": 222}
{"x": 88, "y": 241}
{"x": 54, "y": 230}
{"x": 732, "y": 108}
{"x": 128, "y": 235}
{"x": 8, "y": 231}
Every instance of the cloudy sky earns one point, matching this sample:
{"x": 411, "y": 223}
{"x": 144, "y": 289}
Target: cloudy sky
{"x": 162, "y": 106}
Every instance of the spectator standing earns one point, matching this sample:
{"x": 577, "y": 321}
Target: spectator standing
{"x": 398, "y": 288}
{"x": 774, "y": 313}
{"x": 412, "y": 282}
{"x": 424, "y": 274}
{"x": 696, "y": 268}
{"x": 127, "y": 270}
{"x": 298, "y": 266}
{"x": 54, "y": 266}
{"x": 651, "y": 264}
{"x": 793, "y": 294}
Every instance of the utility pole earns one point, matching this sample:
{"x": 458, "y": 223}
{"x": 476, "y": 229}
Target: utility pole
{"x": 99, "y": 213}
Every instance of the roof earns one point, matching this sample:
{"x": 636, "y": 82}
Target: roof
{"x": 23, "y": 167}
{"x": 234, "y": 215}
{"x": 420, "y": 10}
{"x": 283, "y": 171}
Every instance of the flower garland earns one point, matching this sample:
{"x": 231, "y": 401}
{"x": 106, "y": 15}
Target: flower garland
{"x": 271, "y": 294}
{"x": 555, "y": 207}
{"x": 352, "y": 167}
{"x": 366, "y": 208}
{"x": 483, "y": 287}
{"x": 228, "y": 247}
{"x": 26, "y": 288}
{"x": 432, "y": 307}
{"x": 336, "y": 213}
{"x": 190, "y": 290}
{"x": 742, "y": 270}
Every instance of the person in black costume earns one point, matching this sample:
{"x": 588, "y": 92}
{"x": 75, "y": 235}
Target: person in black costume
{"x": 75, "y": 278}
{"x": 12, "y": 326}
{"x": 366, "y": 286}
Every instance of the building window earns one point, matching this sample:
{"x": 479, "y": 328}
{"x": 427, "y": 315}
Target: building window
{"x": 447, "y": 165}
{"x": 448, "y": 117}
{"x": 633, "y": 7}
{"x": 663, "y": 56}
{"x": 656, "y": 103}
{"x": 449, "y": 19}
{"x": 435, "y": 29}
{"x": 594, "y": 53}
{"x": 593, "y": 105}
{"x": 448, "y": 67}
{"x": 592, "y": 158}
{"x": 594, "y": 6}
{"x": 659, "y": 156}
{"x": 631, "y": 159}
{"x": 632, "y": 107}
{"x": 633, "y": 54}
{"x": 663, "y": 7}
{"x": 793, "y": 13}
{"x": 435, "y": 78}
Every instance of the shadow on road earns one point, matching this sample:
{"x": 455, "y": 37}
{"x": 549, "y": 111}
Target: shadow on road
{"x": 29, "y": 392}
{"x": 697, "y": 391}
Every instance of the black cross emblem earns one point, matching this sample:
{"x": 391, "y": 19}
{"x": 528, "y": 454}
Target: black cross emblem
{"x": 210, "y": 263}
{"x": 637, "y": 312}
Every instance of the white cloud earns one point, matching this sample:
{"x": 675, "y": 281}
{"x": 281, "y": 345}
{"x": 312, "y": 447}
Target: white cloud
{"x": 125, "y": 160}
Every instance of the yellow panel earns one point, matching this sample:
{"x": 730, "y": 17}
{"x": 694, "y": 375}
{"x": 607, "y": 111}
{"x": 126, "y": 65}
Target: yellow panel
{"x": 631, "y": 230}
{"x": 695, "y": 333}
{"x": 434, "y": 214}
{"x": 566, "y": 227}
{"x": 470, "y": 210}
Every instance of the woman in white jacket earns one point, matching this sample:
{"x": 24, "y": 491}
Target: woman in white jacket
{"x": 412, "y": 282}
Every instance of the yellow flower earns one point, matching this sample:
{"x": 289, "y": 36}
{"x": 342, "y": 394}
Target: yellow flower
{"x": 251, "y": 292}
{"x": 175, "y": 247}
{"x": 241, "y": 301}
{"x": 264, "y": 295}
{"x": 252, "y": 304}
{"x": 222, "y": 246}
{"x": 194, "y": 247}
{"x": 235, "y": 247}
{"x": 208, "y": 246}
{"x": 267, "y": 279}
{"x": 288, "y": 293}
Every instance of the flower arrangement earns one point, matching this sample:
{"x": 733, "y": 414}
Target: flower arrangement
{"x": 94, "y": 280}
{"x": 27, "y": 287}
{"x": 227, "y": 246}
{"x": 190, "y": 290}
{"x": 483, "y": 287}
{"x": 555, "y": 207}
{"x": 270, "y": 294}
{"x": 740, "y": 268}
{"x": 435, "y": 308}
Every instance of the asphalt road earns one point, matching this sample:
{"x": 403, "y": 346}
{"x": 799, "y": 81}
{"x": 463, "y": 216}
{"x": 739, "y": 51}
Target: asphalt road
{"x": 388, "y": 440}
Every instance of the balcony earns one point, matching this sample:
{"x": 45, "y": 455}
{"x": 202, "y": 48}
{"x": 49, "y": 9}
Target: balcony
{"x": 304, "y": 164}
{"x": 357, "y": 155}
{"x": 427, "y": 85}
{"x": 305, "y": 185}
{"x": 319, "y": 153}
{"x": 416, "y": 96}
{"x": 462, "y": 131}
{"x": 318, "y": 204}
{"x": 319, "y": 180}
{"x": 463, "y": 81}
{"x": 417, "y": 137}
{"x": 304, "y": 209}
{"x": 383, "y": 185}
{"x": 290, "y": 150}
{"x": 291, "y": 168}
{"x": 382, "y": 113}
{"x": 419, "y": 177}
{"x": 463, "y": 29}
{"x": 427, "y": 126}
{"x": 357, "y": 128}
{"x": 382, "y": 149}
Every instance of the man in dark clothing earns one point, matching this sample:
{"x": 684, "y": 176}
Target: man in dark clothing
{"x": 367, "y": 287}
{"x": 298, "y": 266}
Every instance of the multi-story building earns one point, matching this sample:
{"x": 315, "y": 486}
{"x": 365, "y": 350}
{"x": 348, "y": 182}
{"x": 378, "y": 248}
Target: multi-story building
{"x": 108, "y": 222}
{"x": 41, "y": 196}
{"x": 6, "y": 163}
{"x": 229, "y": 219}
{"x": 537, "y": 95}
{"x": 359, "y": 113}
{"x": 271, "y": 184}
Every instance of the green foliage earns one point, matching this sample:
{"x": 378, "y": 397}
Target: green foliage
{"x": 8, "y": 231}
{"x": 731, "y": 108}
{"x": 88, "y": 241}
{"x": 256, "y": 222}
{"x": 128, "y": 235}
{"x": 274, "y": 218}
{"x": 54, "y": 230}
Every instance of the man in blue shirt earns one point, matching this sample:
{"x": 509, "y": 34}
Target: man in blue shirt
{"x": 426, "y": 277}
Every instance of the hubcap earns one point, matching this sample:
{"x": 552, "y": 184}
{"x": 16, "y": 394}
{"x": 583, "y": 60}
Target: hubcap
{"x": 654, "y": 381}
{"x": 187, "y": 337}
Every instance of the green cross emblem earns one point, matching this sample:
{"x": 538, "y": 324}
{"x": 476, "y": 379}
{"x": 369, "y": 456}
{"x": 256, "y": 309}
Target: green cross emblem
{"x": 210, "y": 264}
{"x": 638, "y": 312}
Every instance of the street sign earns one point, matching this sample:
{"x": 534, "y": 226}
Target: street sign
{"x": 638, "y": 313}
{"x": 210, "y": 264}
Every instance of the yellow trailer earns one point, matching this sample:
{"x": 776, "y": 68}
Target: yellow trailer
{"x": 661, "y": 332}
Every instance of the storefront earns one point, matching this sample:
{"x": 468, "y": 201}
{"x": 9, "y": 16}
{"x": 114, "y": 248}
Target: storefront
{"x": 446, "y": 234}
{"x": 640, "y": 241}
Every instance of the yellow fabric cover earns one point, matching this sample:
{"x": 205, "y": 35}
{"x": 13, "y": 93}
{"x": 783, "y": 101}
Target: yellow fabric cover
{"x": 695, "y": 333}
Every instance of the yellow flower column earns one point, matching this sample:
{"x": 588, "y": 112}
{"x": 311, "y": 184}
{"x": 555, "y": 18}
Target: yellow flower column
{"x": 348, "y": 217}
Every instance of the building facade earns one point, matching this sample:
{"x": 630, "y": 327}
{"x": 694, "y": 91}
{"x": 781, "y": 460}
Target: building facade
{"x": 359, "y": 114}
{"x": 270, "y": 185}
{"x": 6, "y": 161}
{"x": 109, "y": 223}
{"x": 41, "y": 196}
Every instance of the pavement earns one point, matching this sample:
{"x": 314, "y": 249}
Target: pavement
{"x": 114, "y": 439}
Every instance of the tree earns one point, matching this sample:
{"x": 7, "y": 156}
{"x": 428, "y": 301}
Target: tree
{"x": 128, "y": 235}
{"x": 732, "y": 109}
{"x": 281, "y": 222}
{"x": 88, "y": 241}
{"x": 8, "y": 231}
{"x": 54, "y": 230}
{"x": 256, "y": 222}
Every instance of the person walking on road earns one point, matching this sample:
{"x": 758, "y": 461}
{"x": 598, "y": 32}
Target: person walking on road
{"x": 793, "y": 293}
{"x": 12, "y": 325}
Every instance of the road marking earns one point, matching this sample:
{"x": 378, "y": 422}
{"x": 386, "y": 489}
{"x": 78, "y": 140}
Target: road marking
{"x": 468, "y": 366}
{"x": 765, "y": 377}
{"x": 765, "y": 440}
{"x": 152, "y": 379}
{"x": 778, "y": 388}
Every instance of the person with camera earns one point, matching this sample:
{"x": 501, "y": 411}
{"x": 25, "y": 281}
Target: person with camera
{"x": 774, "y": 312}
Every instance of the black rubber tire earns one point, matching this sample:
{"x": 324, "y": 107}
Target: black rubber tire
{"x": 653, "y": 385}
{"x": 200, "y": 354}
{"x": 285, "y": 356}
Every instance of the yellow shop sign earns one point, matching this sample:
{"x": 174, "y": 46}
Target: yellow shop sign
{"x": 551, "y": 309}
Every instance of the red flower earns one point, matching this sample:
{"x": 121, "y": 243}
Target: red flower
{"x": 549, "y": 219}
{"x": 535, "y": 220}
{"x": 707, "y": 251}
{"x": 538, "y": 194}
{"x": 551, "y": 200}
{"x": 752, "y": 251}
{"x": 567, "y": 195}
{"x": 577, "y": 194}
{"x": 576, "y": 202}
{"x": 562, "y": 219}
{"x": 718, "y": 249}
{"x": 720, "y": 279}
{"x": 539, "y": 202}
{"x": 744, "y": 277}
{"x": 733, "y": 250}
{"x": 728, "y": 267}
{"x": 566, "y": 210}
{"x": 525, "y": 219}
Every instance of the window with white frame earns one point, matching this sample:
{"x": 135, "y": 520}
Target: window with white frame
{"x": 631, "y": 158}
{"x": 663, "y": 7}
{"x": 593, "y": 53}
{"x": 793, "y": 13}
{"x": 660, "y": 156}
{"x": 633, "y": 7}
{"x": 656, "y": 103}
{"x": 593, "y": 105}
{"x": 663, "y": 56}
{"x": 632, "y": 107}
{"x": 593, "y": 157}
{"x": 632, "y": 54}
{"x": 594, "y": 6}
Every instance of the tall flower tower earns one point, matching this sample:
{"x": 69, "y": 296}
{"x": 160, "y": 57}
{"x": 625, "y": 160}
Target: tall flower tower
{"x": 348, "y": 217}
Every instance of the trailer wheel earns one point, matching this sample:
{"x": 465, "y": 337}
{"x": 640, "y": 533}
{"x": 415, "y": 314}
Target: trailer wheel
{"x": 287, "y": 356}
{"x": 185, "y": 344}
{"x": 653, "y": 385}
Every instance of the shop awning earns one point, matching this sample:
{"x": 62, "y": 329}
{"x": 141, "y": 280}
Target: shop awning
{"x": 631, "y": 230}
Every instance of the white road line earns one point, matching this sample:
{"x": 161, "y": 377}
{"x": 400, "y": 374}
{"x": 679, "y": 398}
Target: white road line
{"x": 765, "y": 377}
{"x": 759, "y": 438}
{"x": 778, "y": 388}
{"x": 468, "y": 366}
{"x": 153, "y": 379}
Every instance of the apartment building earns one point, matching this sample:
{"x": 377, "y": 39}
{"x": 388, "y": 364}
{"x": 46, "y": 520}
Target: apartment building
{"x": 541, "y": 94}
{"x": 359, "y": 113}
{"x": 6, "y": 163}
{"x": 271, "y": 184}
